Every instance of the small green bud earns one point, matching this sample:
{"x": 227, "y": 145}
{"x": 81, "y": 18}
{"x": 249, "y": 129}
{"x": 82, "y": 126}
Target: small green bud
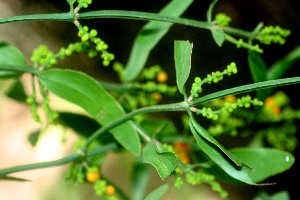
{"x": 222, "y": 19}
{"x": 93, "y": 33}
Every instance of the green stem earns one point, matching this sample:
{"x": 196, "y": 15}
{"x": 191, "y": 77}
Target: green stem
{"x": 246, "y": 88}
{"x": 136, "y": 15}
{"x": 122, "y": 14}
{"x": 70, "y": 17}
{"x": 68, "y": 159}
{"x": 182, "y": 106}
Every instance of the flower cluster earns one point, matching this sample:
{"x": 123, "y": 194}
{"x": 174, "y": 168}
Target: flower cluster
{"x": 214, "y": 77}
{"x": 281, "y": 137}
{"x": 90, "y": 37}
{"x": 42, "y": 57}
{"x": 199, "y": 177}
{"x": 273, "y": 34}
{"x": 84, "y": 3}
{"x": 182, "y": 150}
{"x": 34, "y": 104}
{"x": 103, "y": 188}
{"x": 149, "y": 90}
{"x": 240, "y": 43}
{"x": 244, "y": 101}
{"x": 88, "y": 171}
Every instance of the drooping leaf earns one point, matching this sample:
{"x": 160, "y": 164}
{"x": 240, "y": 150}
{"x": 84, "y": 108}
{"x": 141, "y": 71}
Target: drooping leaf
{"x": 157, "y": 193}
{"x": 218, "y": 35}
{"x": 182, "y": 55}
{"x": 209, "y": 138}
{"x": 266, "y": 162}
{"x": 164, "y": 162}
{"x": 84, "y": 91}
{"x": 240, "y": 173}
{"x": 141, "y": 176}
{"x": 149, "y": 36}
{"x": 258, "y": 70}
{"x": 10, "y": 55}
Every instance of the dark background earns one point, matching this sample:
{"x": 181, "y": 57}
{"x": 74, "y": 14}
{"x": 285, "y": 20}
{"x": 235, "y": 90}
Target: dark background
{"x": 207, "y": 57}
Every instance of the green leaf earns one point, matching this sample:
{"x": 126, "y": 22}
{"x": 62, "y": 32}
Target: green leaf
{"x": 17, "y": 92}
{"x": 9, "y": 55}
{"x": 33, "y": 137}
{"x": 149, "y": 36}
{"x": 12, "y": 178}
{"x": 141, "y": 176}
{"x": 218, "y": 35}
{"x": 164, "y": 162}
{"x": 212, "y": 151}
{"x": 81, "y": 124}
{"x": 258, "y": 70}
{"x": 217, "y": 32}
{"x": 279, "y": 68}
{"x": 209, "y": 138}
{"x": 84, "y": 91}
{"x": 282, "y": 195}
{"x": 157, "y": 193}
{"x": 182, "y": 55}
{"x": 266, "y": 162}
{"x": 210, "y": 10}
{"x": 258, "y": 67}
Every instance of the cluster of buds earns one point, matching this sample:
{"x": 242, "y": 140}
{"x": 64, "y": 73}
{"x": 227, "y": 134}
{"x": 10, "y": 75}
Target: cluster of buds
{"x": 273, "y": 34}
{"x": 245, "y": 101}
{"x": 88, "y": 37}
{"x": 214, "y": 77}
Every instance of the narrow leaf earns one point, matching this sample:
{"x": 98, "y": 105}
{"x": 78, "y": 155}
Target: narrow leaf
{"x": 84, "y": 91}
{"x": 239, "y": 173}
{"x": 157, "y": 193}
{"x": 210, "y": 10}
{"x": 258, "y": 70}
{"x": 266, "y": 162}
{"x": 149, "y": 36}
{"x": 9, "y": 55}
{"x": 218, "y": 35}
{"x": 257, "y": 66}
{"x": 203, "y": 133}
{"x": 164, "y": 162}
{"x": 140, "y": 179}
{"x": 183, "y": 53}
{"x": 279, "y": 68}
{"x": 12, "y": 178}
